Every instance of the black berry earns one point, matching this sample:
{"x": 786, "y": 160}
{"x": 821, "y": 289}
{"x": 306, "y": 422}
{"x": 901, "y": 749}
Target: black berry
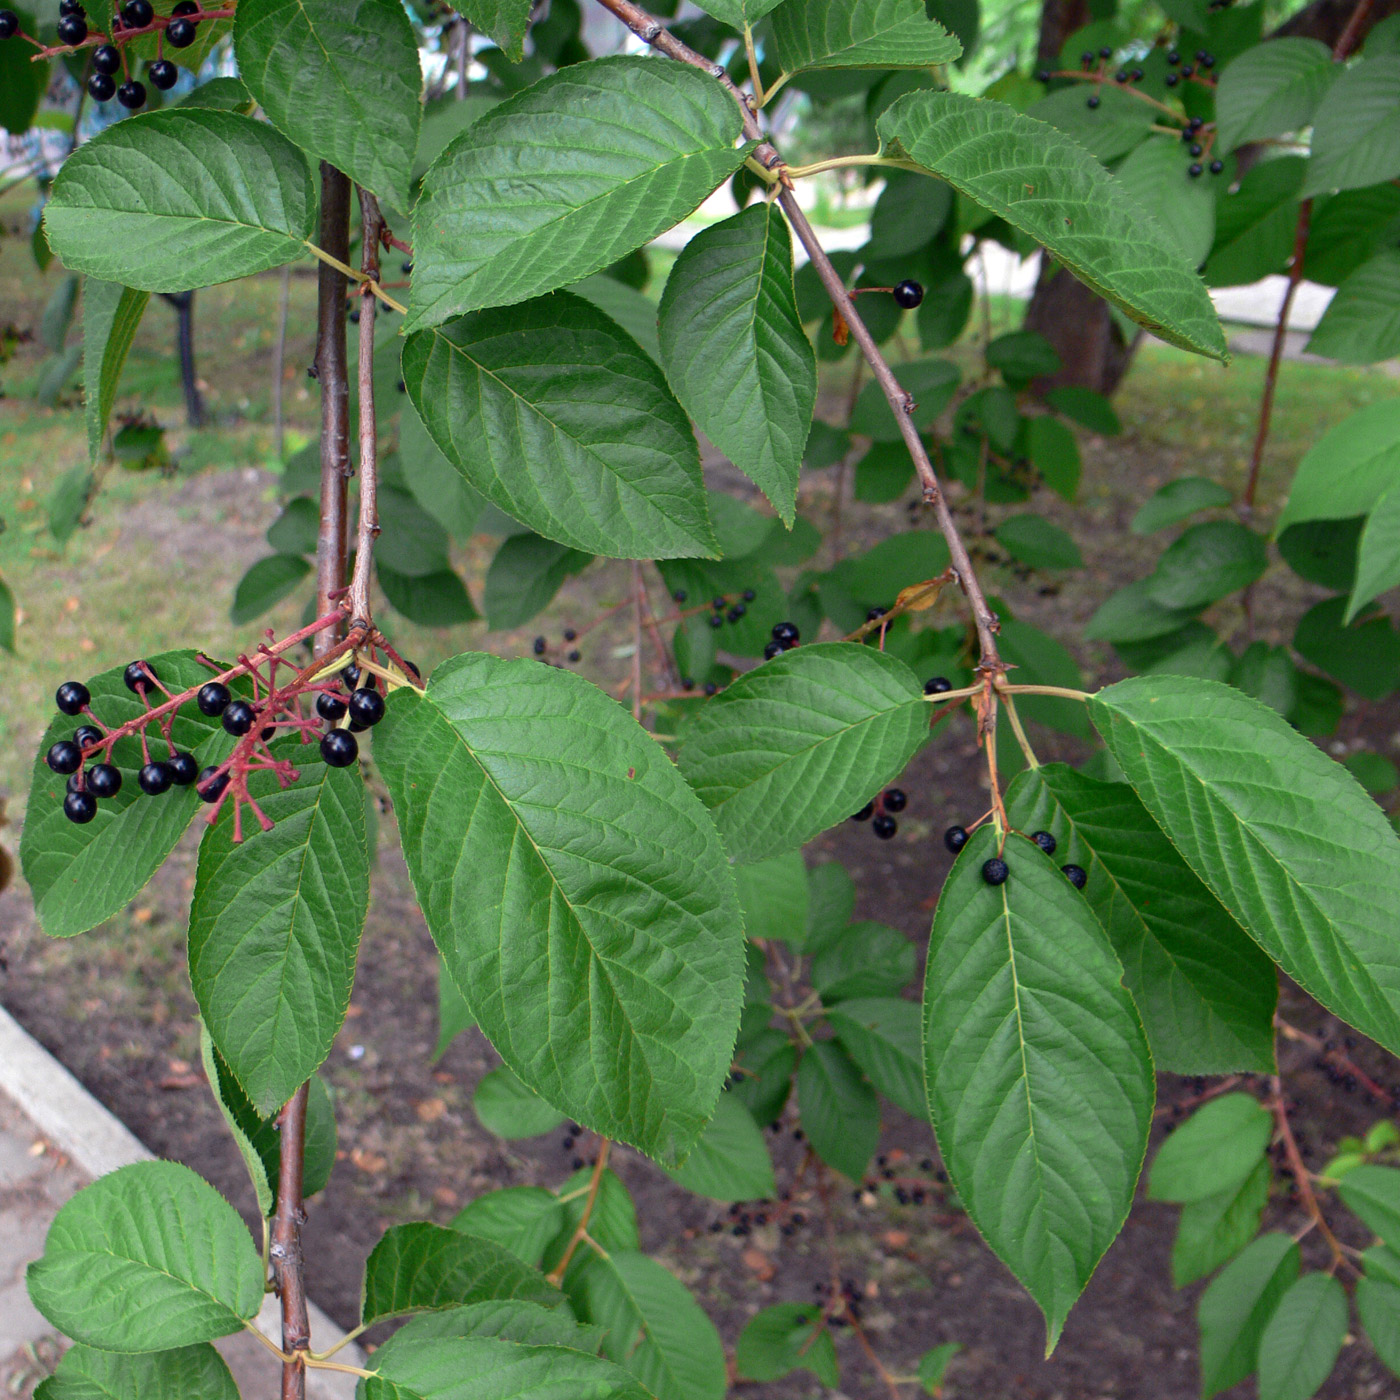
{"x": 1195, "y": 148}
{"x": 1137, "y": 75}
{"x": 180, "y": 33}
{"x": 540, "y": 646}
{"x": 1087, "y": 57}
{"x": 1186, "y": 70}
{"x": 1045, "y": 841}
{"x": 137, "y": 14}
{"x": 1121, "y": 76}
{"x": 132, "y": 95}
{"x": 1216, "y": 166}
{"x": 351, "y": 675}
{"x": 1172, "y": 79}
{"x": 864, "y": 814}
{"x": 183, "y": 769}
{"x": 72, "y": 30}
{"x": 155, "y": 778}
{"x": 9, "y": 24}
{"x": 238, "y": 718}
{"x": 80, "y": 807}
{"x": 107, "y": 58}
{"x": 71, "y": 7}
{"x": 86, "y": 735}
{"x": 71, "y": 697}
{"x": 340, "y": 748}
{"x": 570, "y": 635}
{"x": 1093, "y": 101}
{"x": 1194, "y": 170}
{"x": 213, "y": 698}
{"x": 184, "y": 8}
{"x": 366, "y": 707}
{"x": 687, "y": 682}
{"x": 209, "y": 787}
{"x": 711, "y": 688}
{"x": 64, "y": 757}
{"x": 163, "y": 74}
{"x": 716, "y": 619}
{"x": 736, "y": 612}
{"x": 995, "y": 871}
{"x": 1173, "y": 57}
{"x": 749, "y": 595}
{"x": 1043, "y": 76}
{"x": 1076, "y": 875}
{"x": 771, "y": 650}
{"x": 575, "y": 655}
{"x": 1195, "y": 124}
{"x": 937, "y": 685}
{"x": 908, "y": 293}
{"x": 76, "y": 782}
{"x": 1105, "y": 52}
{"x": 718, "y": 602}
{"x": 875, "y": 614}
{"x": 138, "y": 676}
{"x": 786, "y": 634}
{"x": 101, "y": 87}
{"x": 896, "y": 800}
{"x": 679, "y": 595}
{"x": 329, "y": 707}
{"x": 884, "y": 826}
{"x": 955, "y": 838}
{"x": 103, "y": 780}
{"x": 1207, "y": 60}
{"x": 1200, "y": 55}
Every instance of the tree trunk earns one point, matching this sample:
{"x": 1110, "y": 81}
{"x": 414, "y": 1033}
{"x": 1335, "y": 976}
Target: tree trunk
{"x": 183, "y": 302}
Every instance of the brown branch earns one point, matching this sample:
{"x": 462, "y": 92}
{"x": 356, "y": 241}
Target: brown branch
{"x": 288, "y": 1264}
{"x": 653, "y": 32}
{"x": 556, "y": 1274}
{"x": 1306, "y": 1194}
{"x": 368, "y": 530}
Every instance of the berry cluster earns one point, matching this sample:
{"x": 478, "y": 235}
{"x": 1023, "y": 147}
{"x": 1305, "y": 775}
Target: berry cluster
{"x": 785, "y": 637}
{"x": 540, "y": 646}
{"x": 724, "y": 607}
{"x": 996, "y": 871}
{"x": 880, "y": 812}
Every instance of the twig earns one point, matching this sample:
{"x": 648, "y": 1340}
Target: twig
{"x": 279, "y": 359}
{"x": 1340, "y": 1061}
{"x": 368, "y": 529}
{"x": 288, "y": 1263}
{"x": 1300, "y": 1176}
{"x": 1018, "y": 731}
{"x": 556, "y": 1275}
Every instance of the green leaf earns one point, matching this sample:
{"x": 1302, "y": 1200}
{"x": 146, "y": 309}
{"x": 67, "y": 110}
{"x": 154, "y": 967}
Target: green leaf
{"x": 654, "y": 1326}
{"x": 7, "y": 617}
{"x": 221, "y": 94}
{"x": 1108, "y": 131}
{"x": 1237, "y": 1306}
{"x": 1055, "y": 455}
{"x": 1215, "y": 1149}
{"x": 616, "y": 997}
{"x": 425, "y": 1268}
{"x": 275, "y": 925}
{"x": 1021, "y": 356}
{"x": 454, "y": 1015}
{"x": 521, "y": 1218}
{"x": 555, "y": 415}
{"x": 784, "y": 1338}
{"x": 613, "y": 1223}
{"x": 267, "y": 583}
{"x": 866, "y": 960}
{"x": 1347, "y": 229}
{"x": 435, "y": 483}
{"x": 295, "y": 530}
{"x": 908, "y": 213}
{"x": 439, "y": 599}
{"x": 1364, "y": 655}
{"x": 510, "y": 1110}
{"x": 22, "y": 81}
{"x": 1038, "y": 542}
{"x": 764, "y": 1067}
{"x": 1256, "y": 223}
{"x": 932, "y": 382}
{"x": 1348, "y": 469}
{"x": 509, "y": 1319}
{"x": 1039, "y": 1077}
{"x": 111, "y": 314}
{"x": 1156, "y": 175}
{"x": 1362, "y": 322}
{"x": 801, "y": 742}
{"x": 564, "y": 179}
{"x": 738, "y": 13}
{"x": 1378, "y": 555}
{"x": 1213, "y": 1230}
{"x": 1382, "y": 1264}
{"x": 1206, "y": 993}
{"x": 525, "y": 574}
{"x": 1355, "y": 129}
{"x": 81, "y": 875}
{"x": 633, "y": 311}
{"x": 181, "y": 198}
{"x": 1378, "y": 1305}
{"x": 1178, "y": 500}
{"x": 735, "y": 352}
{"x": 147, "y": 1258}
{"x": 1373, "y": 1193}
{"x": 859, "y": 34}
{"x": 1271, "y": 90}
{"x": 1085, "y": 407}
{"x": 343, "y": 81}
{"x": 1284, "y": 837}
{"x": 1046, "y": 185}
{"x": 411, "y": 541}
{"x": 730, "y": 1160}
{"x": 933, "y": 1365}
{"x": 503, "y": 21}
{"x": 87, "y": 1374}
{"x": 773, "y": 898}
{"x": 1132, "y": 614}
{"x": 883, "y": 1035}
{"x": 1303, "y": 1339}
{"x": 838, "y": 1109}
{"x": 1205, "y": 563}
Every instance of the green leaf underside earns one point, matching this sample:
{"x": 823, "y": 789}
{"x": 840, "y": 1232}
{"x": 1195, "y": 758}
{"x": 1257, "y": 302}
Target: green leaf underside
{"x": 424, "y": 1268}
{"x": 1362, "y": 322}
{"x": 564, "y": 179}
{"x": 1373, "y": 1193}
{"x": 801, "y": 742}
{"x": 1205, "y": 991}
{"x": 510, "y": 1110}
{"x": 1215, "y": 1149}
{"x": 784, "y": 1338}
{"x": 1346, "y": 471}
{"x": 1355, "y": 129}
{"x": 838, "y": 1109}
{"x": 505, "y": 21}
{"x": 111, "y": 314}
{"x": 1046, "y": 185}
{"x": 510, "y": 1319}
{"x": 1039, "y": 1076}
{"x": 730, "y": 1160}
{"x": 859, "y": 34}
{"x": 342, "y": 80}
{"x": 1285, "y": 838}
{"x": 88, "y": 1374}
{"x": 1303, "y": 1339}
{"x": 735, "y": 352}
{"x": 1272, "y": 89}
{"x": 1211, "y": 1231}
{"x": 147, "y": 1258}
{"x": 1234, "y": 1310}
{"x": 555, "y": 415}
{"x": 530, "y": 802}
{"x": 738, "y": 13}
{"x": 275, "y": 925}
{"x": 884, "y": 1036}
{"x": 522, "y": 1218}
{"x": 81, "y": 875}
{"x": 181, "y": 198}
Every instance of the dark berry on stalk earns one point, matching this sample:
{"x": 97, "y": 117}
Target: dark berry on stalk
{"x": 86, "y": 735}
{"x": 864, "y": 814}
{"x": 209, "y": 787}
{"x": 955, "y": 838}
{"x": 104, "y": 780}
{"x": 687, "y": 682}
{"x": 1186, "y": 70}
{"x": 238, "y": 718}
{"x": 80, "y": 807}
{"x": 771, "y": 650}
{"x": 183, "y": 769}
{"x": 1194, "y": 170}
{"x": 570, "y": 635}
{"x": 736, "y": 612}
{"x": 107, "y": 58}
{"x": 72, "y": 30}
{"x": 1172, "y": 79}
{"x": 9, "y": 24}
{"x": 329, "y": 707}
{"x": 1076, "y": 875}
{"x": 540, "y": 646}
{"x": 137, "y": 14}
{"x": 138, "y": 676}
{"x": 180, "y": 33}
{"x": 679, "y": 595}
{"x": 1216, "y": 166}
{"x": 884, "y": 827}
{"x": 163, "y": 74}
{"x": 1173, "y": 57}
{"x": 71, "y": 697}
{"x": 1196, "y": 123}
{"x": 749, "y": 595}
{"x": 213, "y": 698}
{"x": 908, "y": 293}
{"x": 366, "y": 707}
{"x": 351, "y": 675}
{"x": 787, "y": 634}
{"x": 937, "y": 685}
{"x": 155, "y": 778}
{"x": 64, "y": 757}
{"x": 184, "y": 8}
{"x": 1043, "y": 76}
{"x": 1195, "y": 148}
{"x": 995, "y": 871}
{"x": 340, "y": 748}
{"x": 76, "y": 782}
{"x": 71, "y": 7}
{"x": 718, "y": 602}
{"x": 1045, "y": 841}
{"x": 716, "y": 619}
{"x": 101, "y": 88}
{"x": 1093, "y": 102}
{"x": 576, "y": 655}
{"x": 711, "y": 688}
{"x": 896, "y": 799}
{"x": 1105, "y": 52}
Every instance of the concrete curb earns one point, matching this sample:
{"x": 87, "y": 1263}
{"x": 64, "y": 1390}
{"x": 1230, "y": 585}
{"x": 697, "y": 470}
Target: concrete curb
{"x": 98, "y": 1143}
